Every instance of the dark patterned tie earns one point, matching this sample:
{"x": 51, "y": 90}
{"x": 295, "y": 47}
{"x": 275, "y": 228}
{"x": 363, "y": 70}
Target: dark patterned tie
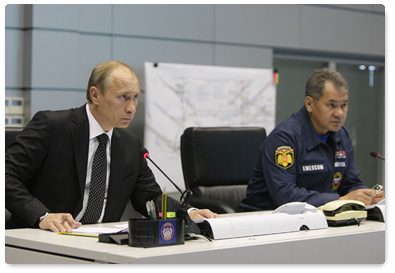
{"x": 98, "y": 183}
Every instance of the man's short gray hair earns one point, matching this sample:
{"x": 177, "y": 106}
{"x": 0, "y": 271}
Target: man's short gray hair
{"x": 316, "y": 83}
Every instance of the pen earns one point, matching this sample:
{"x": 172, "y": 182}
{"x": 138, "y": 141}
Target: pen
{"x": 153, "y": 210}
{"x": 78, "y": 234}
{"x": 164, "y": 204}
{"x": 149, "y": 209}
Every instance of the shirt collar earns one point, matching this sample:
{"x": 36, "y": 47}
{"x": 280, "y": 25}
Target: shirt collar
{"x": 94, "y": 127}
{"x": 324, "y": 138}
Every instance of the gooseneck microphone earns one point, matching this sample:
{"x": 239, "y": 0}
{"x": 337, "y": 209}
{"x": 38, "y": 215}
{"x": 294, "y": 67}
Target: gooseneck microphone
{"x": 185, "y": 199}
{"x": 144, "y": 152}
{"x": 186, "y": 196}
{"x": 376, "y": 155}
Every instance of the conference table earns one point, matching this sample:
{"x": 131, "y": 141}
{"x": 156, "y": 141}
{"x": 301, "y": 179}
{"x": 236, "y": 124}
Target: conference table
{"x": 363, "y": 244}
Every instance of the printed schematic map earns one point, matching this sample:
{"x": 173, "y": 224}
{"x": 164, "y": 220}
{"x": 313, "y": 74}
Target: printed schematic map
{"x": 178, "y": 96}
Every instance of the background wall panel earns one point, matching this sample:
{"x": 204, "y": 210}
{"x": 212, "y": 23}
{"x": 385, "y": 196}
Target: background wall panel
{"x": 243, "y": 56}
{"x": 51, "y": 50}
{"x": 195, "y": 22}
{"x": 14, "y": 59}
{"x": 60, "y": 99}
{"x": 92, "y": 50}
{"x": 269, "y": 25}
{"x": 59, "y": 17}
{"x": 95, "y": 18}
{"x": 136, "y": 51}
{"x": 15, "y": 16}
{"x": 54, "y": 59}
{"x": 338, "y": 30}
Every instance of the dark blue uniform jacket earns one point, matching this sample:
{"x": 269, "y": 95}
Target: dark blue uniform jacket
{"x": 296, "y": 165}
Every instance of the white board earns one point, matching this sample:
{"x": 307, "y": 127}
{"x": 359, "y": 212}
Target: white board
{"x": 178, "y": 96}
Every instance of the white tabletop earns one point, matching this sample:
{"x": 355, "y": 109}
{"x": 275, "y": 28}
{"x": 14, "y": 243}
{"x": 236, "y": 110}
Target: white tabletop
{"x": 314, "y": 246}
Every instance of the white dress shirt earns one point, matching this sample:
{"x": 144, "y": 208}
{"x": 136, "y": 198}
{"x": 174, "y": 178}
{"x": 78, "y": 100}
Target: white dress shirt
{"x": 94, "y": 131}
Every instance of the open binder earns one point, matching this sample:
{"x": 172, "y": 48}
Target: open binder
{"x": 290, "y": 217}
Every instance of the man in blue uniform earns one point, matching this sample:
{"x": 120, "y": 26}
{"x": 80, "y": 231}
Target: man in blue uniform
{"x": 309, "y": 156}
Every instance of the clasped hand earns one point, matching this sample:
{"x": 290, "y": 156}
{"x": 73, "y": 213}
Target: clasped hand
{"x": 59, "y": 222}
{"x": 367, "y": 196}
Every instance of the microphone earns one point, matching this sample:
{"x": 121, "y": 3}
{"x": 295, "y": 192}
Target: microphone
{"x": 185, "y": 199}
{"x": 186, "y": 196}
{"x": 376, "y": 155}
{"x": 144, "y": 152}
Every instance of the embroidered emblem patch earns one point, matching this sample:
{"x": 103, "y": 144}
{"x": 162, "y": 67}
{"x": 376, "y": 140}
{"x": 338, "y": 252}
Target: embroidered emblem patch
{"x": 337, "y": 179}
{"x": 340, "y": 155}
{"x": 284, "y": 157}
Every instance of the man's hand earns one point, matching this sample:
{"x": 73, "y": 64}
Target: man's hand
{"x": 59, "y": 222}
{"x": 378, "y": 197}
{"x": 367, "y": 196}
{"x": 197, "y": 214}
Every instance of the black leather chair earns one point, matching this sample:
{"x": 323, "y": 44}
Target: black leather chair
{"x": 217, "y": 164}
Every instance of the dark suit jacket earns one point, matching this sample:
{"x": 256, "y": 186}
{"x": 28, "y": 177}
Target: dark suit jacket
{"x": 45, "y": 169}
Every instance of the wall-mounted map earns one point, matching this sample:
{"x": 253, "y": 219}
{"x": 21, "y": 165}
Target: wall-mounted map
{"x": 178, "y": 96}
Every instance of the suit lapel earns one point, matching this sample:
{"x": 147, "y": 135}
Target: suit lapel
{"x": 80, "y": 137}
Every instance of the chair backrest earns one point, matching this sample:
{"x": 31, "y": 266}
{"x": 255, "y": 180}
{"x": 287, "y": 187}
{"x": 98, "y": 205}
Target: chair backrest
{"x": 10, "y": 134}
{"x": 216, "y": 157}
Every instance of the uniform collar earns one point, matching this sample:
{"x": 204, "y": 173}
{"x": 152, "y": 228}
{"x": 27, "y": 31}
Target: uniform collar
{"x": 310, "y": 134}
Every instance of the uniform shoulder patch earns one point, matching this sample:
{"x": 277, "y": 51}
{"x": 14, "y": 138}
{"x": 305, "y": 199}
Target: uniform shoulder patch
{"x": 284, "y": 157}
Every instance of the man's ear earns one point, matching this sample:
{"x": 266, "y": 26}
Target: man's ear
{"x": 308, "y": 102}
{"x": 94, "y": 93}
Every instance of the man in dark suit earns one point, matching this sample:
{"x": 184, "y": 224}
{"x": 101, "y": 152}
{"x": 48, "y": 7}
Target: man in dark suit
{"x": 48, "y": 170}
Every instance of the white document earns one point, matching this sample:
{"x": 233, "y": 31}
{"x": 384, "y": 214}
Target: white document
{"x": 263, "y": 223}
{"x": 95, "y": 230}
{"x": 379, "y": 204}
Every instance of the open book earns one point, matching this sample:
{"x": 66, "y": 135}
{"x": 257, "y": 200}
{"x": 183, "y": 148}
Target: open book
{"x": 290, "y": 217}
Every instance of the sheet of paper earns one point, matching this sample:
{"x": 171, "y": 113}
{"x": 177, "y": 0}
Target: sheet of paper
{"x": 96, "y": 230}
{"x": 123, "y": 226}
{"x": 381, "y": 203}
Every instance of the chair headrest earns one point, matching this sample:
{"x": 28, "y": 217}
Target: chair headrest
{"x": 214, "y": 156}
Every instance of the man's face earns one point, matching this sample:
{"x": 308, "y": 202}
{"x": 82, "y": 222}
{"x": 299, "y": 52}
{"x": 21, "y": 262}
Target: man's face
{"x": 117, "y": 106}
{"x": 329, "y": 112}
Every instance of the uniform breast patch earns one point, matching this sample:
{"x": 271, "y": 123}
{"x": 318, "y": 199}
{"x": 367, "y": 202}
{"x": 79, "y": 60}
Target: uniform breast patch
{"x": 313, "y": 168}
{"x": 284, "y": 157}
{"x": 337, "y": 179}
{"x": 340, "y": 154}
